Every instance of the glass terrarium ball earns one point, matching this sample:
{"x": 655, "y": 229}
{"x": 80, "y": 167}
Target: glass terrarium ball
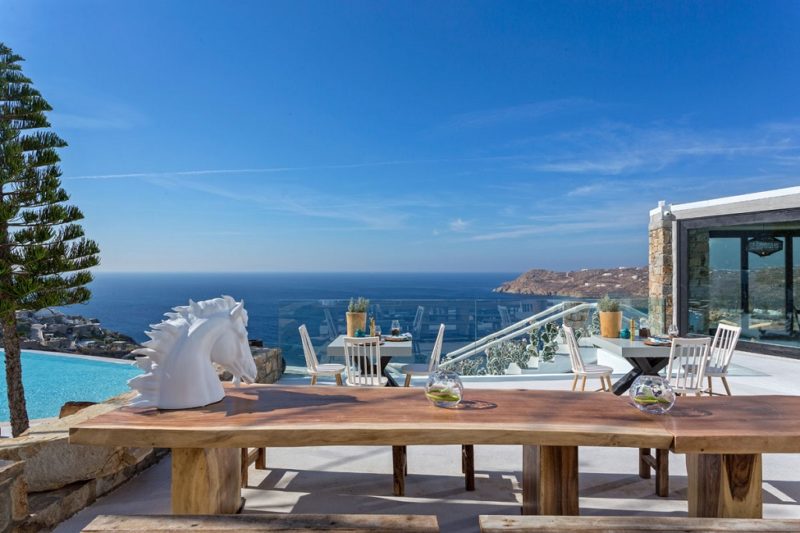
{"x": 444, "y": 388}
{"x": 652, "y": 394}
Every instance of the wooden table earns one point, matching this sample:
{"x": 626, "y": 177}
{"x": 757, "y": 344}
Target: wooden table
{"x": 644, "y": 359}
{"x": 723, "y": 438}
{"x": 205, "y": 442}
{"x": 388, "y": 349}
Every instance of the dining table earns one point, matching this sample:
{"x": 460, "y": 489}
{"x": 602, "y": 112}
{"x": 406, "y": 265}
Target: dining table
{"x": 206, "y": 442}
{"x": 723, "y": 437}
{"x": 390, "y": 349}
{"x": 645, "y": 358}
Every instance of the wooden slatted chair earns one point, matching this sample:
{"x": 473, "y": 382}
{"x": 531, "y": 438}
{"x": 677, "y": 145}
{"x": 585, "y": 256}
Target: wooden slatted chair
{"x": 362, "y": 357}
{"x": 424, "y": 369}
{"x": 581, "y": 369}
{"x": 687, "y": 365}
{"x": 720, "y": 355}
{"x": 312, "y": 364}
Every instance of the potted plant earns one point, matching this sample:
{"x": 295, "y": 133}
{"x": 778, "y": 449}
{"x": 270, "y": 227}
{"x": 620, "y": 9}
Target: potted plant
{"x": 610, "y": 317}
{"x": 357, "y": 315}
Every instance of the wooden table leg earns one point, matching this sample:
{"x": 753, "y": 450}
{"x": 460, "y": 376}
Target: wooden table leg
{"x": 468, "y": 466}
{"x": 399, "y": 460}
{"x": 662, "y": 473}
{"x": 550, "y": 480}
{"x": 206, "y": 480}
{"x": 724, "y": 486}
{"x": 644, "y": 463}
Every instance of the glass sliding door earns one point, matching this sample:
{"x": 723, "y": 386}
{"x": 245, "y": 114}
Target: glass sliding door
{"x": 766, "y": 312}
{"x": 745, "y": 275}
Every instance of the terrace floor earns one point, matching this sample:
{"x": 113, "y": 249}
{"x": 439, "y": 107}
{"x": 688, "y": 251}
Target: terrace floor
{"x": 358, "y": 479}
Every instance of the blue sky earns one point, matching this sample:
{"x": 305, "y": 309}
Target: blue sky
{"x": 406, "y": 136}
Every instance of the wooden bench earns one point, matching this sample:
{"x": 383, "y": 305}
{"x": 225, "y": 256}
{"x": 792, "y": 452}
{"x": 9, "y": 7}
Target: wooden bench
{"x": 287, "y": 523}
{"x": 630, "y": 524}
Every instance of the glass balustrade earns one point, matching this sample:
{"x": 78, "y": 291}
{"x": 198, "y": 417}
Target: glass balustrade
{"x": 466, "y": 321}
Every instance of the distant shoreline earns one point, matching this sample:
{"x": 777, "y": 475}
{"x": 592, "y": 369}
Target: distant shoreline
{"x": 103, "y": 358}
{"x": 620, "y": 282}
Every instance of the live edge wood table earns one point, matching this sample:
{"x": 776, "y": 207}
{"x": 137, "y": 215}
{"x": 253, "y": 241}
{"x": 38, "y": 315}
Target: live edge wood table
{"x": 550, "y": 426}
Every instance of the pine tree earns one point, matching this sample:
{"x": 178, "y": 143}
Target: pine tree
{"x": 44, "y": 256}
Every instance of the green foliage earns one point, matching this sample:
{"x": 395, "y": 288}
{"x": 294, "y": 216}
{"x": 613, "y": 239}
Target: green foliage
{"x": 359, "y": 305}
{"x": 543, "y": 345}
{"x": 44, "y": 256}
{"x": 606, "y": 304}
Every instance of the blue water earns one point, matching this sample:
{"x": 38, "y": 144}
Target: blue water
{"x": 51, "y": 380}
{"x": 128, "y": 303}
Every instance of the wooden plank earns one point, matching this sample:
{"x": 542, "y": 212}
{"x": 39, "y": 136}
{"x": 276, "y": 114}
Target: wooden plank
{"x": 735, "y": 424}
{"x": 265, "y": 523}
{"x": 618, "y": 524}
{"x": 662, "y": 473}
{"x": 644, "y": 463}
{"x": 550, "y": 480}
{"x": 724, "y": 486}
{"x": 206, "y": 480}
{"x": 468, "y": 466}
{"x": 268, "y": 415}
{"x": 399, "y": 462}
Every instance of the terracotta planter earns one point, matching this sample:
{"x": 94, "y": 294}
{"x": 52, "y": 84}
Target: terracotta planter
{"x": 610, "y": 324}
{"x": 356, "y": 321}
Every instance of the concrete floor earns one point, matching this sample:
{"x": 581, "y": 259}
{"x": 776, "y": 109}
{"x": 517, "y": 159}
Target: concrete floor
{"x": 358, "y": 479}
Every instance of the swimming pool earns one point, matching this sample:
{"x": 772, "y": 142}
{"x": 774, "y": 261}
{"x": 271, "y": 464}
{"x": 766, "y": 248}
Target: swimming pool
{"x": 52, "y": 380}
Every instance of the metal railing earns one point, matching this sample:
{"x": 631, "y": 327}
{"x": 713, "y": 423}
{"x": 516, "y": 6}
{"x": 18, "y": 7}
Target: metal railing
{"x": 552, "y": 314}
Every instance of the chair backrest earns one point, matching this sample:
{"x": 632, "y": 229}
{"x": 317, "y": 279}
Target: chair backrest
{"x": 416, "y": 326}
{"x": 333, "y": 332}
{"x": 436, "y": 354}
{"x": 363, "y": 361}
{"x": 505, "y": 317}
{"x": 723, "y": 346}
{"x": 308, "y": 349}
{"x": 574, "y": 350}
{"x": 687, "y": 362}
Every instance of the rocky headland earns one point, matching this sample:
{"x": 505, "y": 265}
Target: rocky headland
{"x": 53, "y": 331}
{"x": 620, "y": 282}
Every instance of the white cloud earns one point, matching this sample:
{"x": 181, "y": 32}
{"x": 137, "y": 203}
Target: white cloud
{"x": 530, "y": 111}
{"x": 619, "y": 148}
{"x": 458, "y": 225}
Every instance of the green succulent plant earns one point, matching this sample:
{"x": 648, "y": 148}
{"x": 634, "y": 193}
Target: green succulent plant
{"x": 607, "y": 304}
{"x": 358, "y": 305}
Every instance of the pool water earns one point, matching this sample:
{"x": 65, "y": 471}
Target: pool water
{"x": 52, "y": 380}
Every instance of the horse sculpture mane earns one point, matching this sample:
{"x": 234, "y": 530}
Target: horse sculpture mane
{"x": 178, "y": 372}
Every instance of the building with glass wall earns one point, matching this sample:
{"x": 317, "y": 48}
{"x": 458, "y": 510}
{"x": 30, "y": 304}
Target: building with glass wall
{"x": 734, "y": 260}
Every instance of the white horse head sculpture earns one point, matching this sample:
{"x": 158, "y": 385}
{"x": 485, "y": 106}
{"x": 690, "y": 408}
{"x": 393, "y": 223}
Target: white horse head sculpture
{"x": 178, "y": 357}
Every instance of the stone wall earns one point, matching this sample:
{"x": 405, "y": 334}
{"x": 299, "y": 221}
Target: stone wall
{"x": 698, "y": 281}
{"x": 13, "y": 495}
{"x": 269, "y": 364}
{"x": 62, "y": 478}
{"x": 660, "y": 304}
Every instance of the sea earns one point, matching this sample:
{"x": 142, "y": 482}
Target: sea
{"x": 130, "y": 302}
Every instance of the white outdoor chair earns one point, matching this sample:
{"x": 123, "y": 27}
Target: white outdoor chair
{"x": 422, "y": 369}
{"x": 687, "y": 365}
{"x": 720, "y": 354}
{"x": 362, "y": 359}
{"x": 581, "y": 369}
{"x": 312, "y": 364}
